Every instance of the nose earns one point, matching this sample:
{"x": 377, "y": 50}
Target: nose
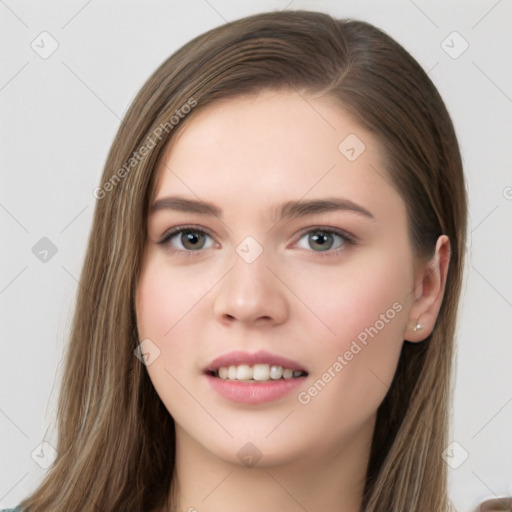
{"x": 251, "y": 294}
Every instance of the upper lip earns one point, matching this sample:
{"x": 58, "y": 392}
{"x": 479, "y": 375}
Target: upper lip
{"x": 251, "y": 358}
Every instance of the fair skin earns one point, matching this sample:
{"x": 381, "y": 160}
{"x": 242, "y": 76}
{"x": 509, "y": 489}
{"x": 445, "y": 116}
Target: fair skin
{"x": 303, "y": 298}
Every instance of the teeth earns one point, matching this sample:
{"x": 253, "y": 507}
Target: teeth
{"x": 276, "y": 372}
{"x": 258, "y": 372}
{"x": 261, "y": 372}
{"x": 244, "y": 372}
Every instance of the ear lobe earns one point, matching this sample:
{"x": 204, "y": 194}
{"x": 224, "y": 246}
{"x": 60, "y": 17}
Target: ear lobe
{"x": 428, "y": 293}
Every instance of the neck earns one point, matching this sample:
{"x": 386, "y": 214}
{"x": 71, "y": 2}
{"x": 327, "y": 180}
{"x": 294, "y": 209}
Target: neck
{"x": 327, "y": 482}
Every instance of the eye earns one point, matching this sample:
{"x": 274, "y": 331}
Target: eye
{"x": 323, "y": 240}
{"x": 187, "y": 239}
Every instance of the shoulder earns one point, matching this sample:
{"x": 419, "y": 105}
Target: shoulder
{"x": 504, "y": 504}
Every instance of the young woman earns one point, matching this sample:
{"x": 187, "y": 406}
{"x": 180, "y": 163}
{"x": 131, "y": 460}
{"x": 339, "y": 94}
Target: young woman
{"x": 268, "y": 301}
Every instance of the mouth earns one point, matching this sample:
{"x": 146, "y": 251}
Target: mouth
{"x": 254, "y": 378}
{"x": 255, "y": 367}
{"x": 256, "y": 373}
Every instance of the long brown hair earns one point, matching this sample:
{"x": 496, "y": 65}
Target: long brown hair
{"x": 116, "y": 438}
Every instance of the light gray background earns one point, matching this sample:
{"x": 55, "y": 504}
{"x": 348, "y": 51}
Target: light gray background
{"x": 59, "y": 116}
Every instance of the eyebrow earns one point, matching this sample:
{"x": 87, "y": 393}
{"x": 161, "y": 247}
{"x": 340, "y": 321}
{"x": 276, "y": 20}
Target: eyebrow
{"x": 287, "y": 210}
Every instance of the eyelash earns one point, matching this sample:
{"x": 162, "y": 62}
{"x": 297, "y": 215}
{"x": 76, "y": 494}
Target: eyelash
{"x": 179, "y": 229}
{"x": 347, "y": 239}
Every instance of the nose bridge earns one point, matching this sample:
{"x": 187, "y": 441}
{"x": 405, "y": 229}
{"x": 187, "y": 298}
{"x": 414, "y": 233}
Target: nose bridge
{"x": 250, "y": 292}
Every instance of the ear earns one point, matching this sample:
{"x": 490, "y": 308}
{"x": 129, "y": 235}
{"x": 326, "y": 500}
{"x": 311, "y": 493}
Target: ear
{"x": 428, "y": 292}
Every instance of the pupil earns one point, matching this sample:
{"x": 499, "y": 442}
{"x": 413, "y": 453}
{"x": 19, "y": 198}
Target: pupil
{"x": 192, "y": 240}
{"x": 321, "y": 240}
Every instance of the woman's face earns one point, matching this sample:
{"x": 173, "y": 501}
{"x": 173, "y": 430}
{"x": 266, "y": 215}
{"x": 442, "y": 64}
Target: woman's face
{"x": 293, "y": 255}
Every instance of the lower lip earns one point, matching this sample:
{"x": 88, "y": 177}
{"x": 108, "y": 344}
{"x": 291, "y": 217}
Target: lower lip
{"x": 254, "y": 392}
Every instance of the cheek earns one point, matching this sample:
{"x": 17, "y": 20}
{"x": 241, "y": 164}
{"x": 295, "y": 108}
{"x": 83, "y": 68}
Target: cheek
{"x": 172, "y": 305}
{"x": 364, "y": 311}
{"x": 369, "y": 292}
{"x": 164, "y": 304}
{"x": 159, "y": 309}
{"x": 155, "y": 306}
{"x": 165, "y": 296}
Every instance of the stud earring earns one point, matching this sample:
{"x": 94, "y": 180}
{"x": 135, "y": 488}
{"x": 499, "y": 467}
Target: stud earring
{"x": 417, "y": 327}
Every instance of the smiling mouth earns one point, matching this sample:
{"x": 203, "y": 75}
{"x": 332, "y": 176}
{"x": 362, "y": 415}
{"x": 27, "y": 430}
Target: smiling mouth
{"x": 256, "y": 373}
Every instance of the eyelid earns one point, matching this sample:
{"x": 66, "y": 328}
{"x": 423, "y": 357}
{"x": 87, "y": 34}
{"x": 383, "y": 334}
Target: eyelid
{"x": 348, "y": 242}
{"x": 350, "y": 238}
{"x": 170, "y": 233}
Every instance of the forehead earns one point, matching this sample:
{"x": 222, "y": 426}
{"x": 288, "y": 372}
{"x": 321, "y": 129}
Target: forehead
{"x": 274, "y": 146}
